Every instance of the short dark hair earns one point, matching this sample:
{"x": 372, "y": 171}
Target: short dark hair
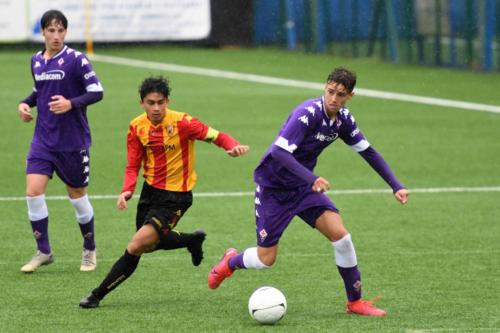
{"x": 53, "y": 15}
{"x": 155, "y": 84}
{"x": 343, "y": 76}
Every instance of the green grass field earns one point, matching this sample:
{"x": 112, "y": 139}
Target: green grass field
{"x": 435, "y": 262}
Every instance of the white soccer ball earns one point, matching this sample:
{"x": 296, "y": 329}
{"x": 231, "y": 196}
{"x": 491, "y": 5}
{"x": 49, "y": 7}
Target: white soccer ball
{"x": 267, "y": 305}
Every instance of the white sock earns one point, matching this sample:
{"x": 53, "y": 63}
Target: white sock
{"x": 83, "y": 209}
{"x": 37, "y": 207}
{"x": 345, "y": 255}
{"x": 251, "y": 259}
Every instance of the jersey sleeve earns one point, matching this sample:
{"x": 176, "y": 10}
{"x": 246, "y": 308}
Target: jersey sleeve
{"x": 197, "y": 130}
{"x": 351, "y": 134}
{"x": 135, "y": 153}
{"x": 87, "y": 74}
{"x": 293, "y": 131}
{"x": 31, "y": 99}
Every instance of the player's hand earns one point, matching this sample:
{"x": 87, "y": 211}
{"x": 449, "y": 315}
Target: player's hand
{"x": 402, "y": 195}
{"x": 59, "y": 104}
{"x": 238, "y": 150}
{"x": 122, "y": 200}
{"x": 24, "y": 112}
{"x": 321, "y": 185}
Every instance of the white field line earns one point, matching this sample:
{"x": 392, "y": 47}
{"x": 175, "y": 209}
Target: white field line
{"x": 167, "y": 258}
{"x": 441, "y": 330}
{"x": 431, "y": 190}
{"x": 293, "y": 83}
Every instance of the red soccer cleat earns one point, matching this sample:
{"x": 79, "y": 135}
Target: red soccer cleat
{"x": 221, "y": 270}
{"x": 365, "y": 308}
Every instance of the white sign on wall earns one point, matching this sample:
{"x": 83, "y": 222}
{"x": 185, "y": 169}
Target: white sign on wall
{"x": 111, "y": 20}
{"x": 13, "y": 24}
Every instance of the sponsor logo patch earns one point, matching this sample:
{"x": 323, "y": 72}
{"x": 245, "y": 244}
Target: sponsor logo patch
{"x": 52, "y": 75}
{"x": 89, "y": 75}
{"x": 304, "y": 119}
{"x": 322, "y": 137}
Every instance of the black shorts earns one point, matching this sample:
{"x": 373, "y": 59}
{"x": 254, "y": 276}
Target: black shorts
{"x": 161, "y": 208}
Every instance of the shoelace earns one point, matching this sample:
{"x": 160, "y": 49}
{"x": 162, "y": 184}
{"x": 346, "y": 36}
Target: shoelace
{"x": 87, "y": 259}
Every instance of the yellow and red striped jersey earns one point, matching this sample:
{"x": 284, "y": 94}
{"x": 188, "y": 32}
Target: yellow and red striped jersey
{"x": 166, "y": 151}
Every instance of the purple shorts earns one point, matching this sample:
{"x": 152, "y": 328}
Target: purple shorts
{"x": 274, "y": 209}
{"x": 72, "y": 167}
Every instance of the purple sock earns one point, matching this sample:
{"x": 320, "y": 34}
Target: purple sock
{"x": 40, "y": 232}
{"x": 352, "y": 282}
{"x": 87, "y": 230}
{"x": 236, "y": 262}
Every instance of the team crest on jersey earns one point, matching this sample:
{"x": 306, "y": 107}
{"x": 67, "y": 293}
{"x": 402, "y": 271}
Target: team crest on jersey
{"x": 170, "y": 130}
{"x": 263, "y": 234}
{"x": 60, "y": 61}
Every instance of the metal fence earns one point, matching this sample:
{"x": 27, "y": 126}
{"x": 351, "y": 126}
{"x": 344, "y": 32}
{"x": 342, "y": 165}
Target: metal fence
{"x": 454, "y": 33}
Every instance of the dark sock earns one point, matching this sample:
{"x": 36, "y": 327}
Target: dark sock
{"x": 174, "y": 240}
{"x": 121, "y": 270}
{"x": 352, "y": 282}
{"x": 87, "y": 230}
{"x": 40, "y": 232}
{"x": 236, "y": 262}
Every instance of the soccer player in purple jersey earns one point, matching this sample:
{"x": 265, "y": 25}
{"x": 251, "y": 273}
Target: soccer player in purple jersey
{"x": 287, "y": 187}
{"x": 64, "y": 85}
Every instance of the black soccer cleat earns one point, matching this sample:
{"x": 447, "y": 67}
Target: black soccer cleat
{"x": 195, "y": 246}
{"x": 90, "y": 302}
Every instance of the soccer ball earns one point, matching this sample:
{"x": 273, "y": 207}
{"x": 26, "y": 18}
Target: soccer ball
{"x": 267, "y": 305}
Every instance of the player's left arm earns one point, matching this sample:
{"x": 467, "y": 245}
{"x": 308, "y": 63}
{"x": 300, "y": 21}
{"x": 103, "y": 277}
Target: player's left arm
{"x": 353, "y": 137}
{"x": 378, "y": 163}
{"x": 93, "y": 89}
{"x": 200, "y": 131}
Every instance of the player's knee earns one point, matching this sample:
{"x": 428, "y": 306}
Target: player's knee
{"x": 268, "y": 261}
{"x": 133, "y": 249}
{"x": 136, "y": 248}
{"x": 34, "y": 192}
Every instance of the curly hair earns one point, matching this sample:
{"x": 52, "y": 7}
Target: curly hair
{"x": 155, "y": 84}
{"x": 343, "y": 76}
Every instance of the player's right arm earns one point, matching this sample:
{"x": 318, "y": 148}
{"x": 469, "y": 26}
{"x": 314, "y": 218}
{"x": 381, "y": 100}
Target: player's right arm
{"x": 135, "y": 153}
{"x": 24, "y": 107}
{"x": 24, "y": 112}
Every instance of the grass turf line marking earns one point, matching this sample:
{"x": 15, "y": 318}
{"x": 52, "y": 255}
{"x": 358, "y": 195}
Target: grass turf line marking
{"x": 290, "y": 256}
{"x": 468, "y": 329}
{"x": 249, "y": 194}
{"x": 293, "y": 83}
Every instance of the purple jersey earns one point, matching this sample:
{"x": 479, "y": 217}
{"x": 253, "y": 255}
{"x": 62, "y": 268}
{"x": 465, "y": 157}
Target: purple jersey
{"x": 70, "y": 74}
{"x": 307, "y": 131}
